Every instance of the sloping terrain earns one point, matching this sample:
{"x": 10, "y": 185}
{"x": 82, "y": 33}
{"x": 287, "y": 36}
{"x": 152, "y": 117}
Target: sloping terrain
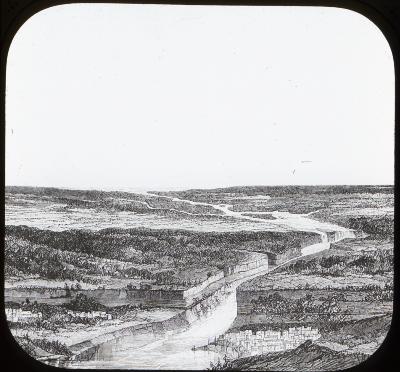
{"x": 306, "y": 357}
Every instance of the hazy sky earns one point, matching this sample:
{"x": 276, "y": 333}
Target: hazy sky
{"x": 148, "y": 96}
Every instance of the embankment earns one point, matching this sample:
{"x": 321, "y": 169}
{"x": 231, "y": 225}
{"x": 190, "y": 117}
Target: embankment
{"x": 147, "y": 333}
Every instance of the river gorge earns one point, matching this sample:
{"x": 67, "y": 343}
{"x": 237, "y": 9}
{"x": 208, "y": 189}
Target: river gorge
{"x": 169, "y": 343}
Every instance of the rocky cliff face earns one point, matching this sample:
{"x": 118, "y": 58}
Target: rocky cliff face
{"x": 216, "y": 313}
{"x": 335, "y": 236}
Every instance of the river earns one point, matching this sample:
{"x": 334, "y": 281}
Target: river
{"x": 174, "y": 351}
{"x": 170, "y": 352}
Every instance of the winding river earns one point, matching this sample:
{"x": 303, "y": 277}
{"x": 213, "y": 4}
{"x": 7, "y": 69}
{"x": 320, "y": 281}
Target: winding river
{"x": 174, "y": 351}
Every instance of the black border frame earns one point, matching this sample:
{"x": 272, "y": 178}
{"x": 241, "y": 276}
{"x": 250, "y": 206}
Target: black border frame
{"x": 385, "y": 14}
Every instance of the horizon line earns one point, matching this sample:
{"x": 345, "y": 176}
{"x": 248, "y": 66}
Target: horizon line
{"x": 188, "y": 188}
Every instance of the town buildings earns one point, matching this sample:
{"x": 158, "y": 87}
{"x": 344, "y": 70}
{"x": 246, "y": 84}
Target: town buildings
{"x": 246, "y": 343}
{"x": 19, "y": 315}
{"x": 90, "y": 314}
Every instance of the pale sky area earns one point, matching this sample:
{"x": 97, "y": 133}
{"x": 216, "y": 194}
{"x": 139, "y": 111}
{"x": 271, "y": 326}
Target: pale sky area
{"x": 157, "y": 97}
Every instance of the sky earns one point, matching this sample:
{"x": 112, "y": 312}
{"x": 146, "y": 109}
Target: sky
{"x": 113, "y": 96}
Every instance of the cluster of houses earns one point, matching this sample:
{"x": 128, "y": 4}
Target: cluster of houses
{"x": 246, "y": 343}
{"x": 25, "y": 316}
{"x": 90, "y": 314}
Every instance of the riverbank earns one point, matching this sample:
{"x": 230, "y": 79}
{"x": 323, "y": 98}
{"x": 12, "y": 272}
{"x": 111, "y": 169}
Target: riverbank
{"x": 213, "y": 296}
{"x": 217, "y": 230}
{"x": 76, "y": 335}
{"x": 222, "y": 286}
{"x": 308, "y": 356}
{"x": 84, "y": 341}
{"x": 87, "y": 344}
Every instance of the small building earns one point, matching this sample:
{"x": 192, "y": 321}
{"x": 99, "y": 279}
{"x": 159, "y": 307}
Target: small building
{"x": 19, "y": 315}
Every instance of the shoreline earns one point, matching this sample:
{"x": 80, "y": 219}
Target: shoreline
{"x": 88, "y": 348}
{"x": 157, "y": 329}
{"x": 97, "y": 334}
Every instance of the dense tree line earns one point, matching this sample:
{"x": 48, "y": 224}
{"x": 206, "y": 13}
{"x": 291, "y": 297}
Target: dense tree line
{"x": 126, "y": 242}
{"x": 378, "y": 226}
{"x": 24, "y": 257}
{"x": 277, "y": 304}
{"x": 376, "y": 262}
{"x": 76, "y": 254}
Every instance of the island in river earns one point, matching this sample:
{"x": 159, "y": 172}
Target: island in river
{"x": 242, "y": 277}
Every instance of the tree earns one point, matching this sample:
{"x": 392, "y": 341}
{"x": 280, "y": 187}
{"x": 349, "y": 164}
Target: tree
{"x": 83, "y": 303}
